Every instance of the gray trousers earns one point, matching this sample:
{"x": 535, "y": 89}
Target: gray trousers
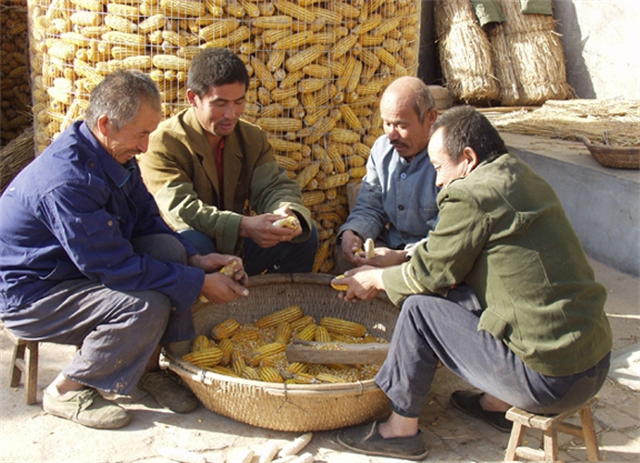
{"x": 432, "y": 329}
{"x": 117, "y": 331}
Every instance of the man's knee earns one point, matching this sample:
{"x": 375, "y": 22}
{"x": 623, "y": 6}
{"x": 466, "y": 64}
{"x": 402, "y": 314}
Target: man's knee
{"x": 163, "y": 247}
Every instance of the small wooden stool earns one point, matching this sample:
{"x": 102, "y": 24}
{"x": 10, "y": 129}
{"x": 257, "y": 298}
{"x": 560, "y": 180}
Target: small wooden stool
{"x": 28, "y": 366}
{"x": 550, "y": 425}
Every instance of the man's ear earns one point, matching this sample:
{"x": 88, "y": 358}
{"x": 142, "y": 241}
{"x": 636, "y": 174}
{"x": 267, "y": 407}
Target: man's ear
{"x": 471, "y": 157}
{"x": 191, "y": 96}
{"x": 103, "y": 122}
{"x": 432, "y": 116}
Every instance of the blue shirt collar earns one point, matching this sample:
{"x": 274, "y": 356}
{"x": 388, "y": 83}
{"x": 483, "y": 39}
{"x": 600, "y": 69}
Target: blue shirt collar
{"x": 117, "y": 172}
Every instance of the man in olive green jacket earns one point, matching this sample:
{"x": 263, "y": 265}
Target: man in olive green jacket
{"x": 215, "y": 178}
{"x": 502, "y": 294}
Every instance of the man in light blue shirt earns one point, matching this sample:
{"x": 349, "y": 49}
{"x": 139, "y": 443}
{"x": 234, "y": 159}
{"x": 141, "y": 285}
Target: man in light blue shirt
{"x": 396, "y": 206}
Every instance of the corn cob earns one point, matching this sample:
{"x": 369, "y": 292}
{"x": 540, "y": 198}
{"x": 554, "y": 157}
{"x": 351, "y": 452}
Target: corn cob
{"x": 265, "y": 351}
{"x": 338, "y": 325}
{"x": 295, "y": 11}
{"x": 288, "y": 222}
{"x": 238, "y": 362}
{"x": 251, "y": 9}
{"x": 248, "y": 372}
{"x": 357, "y": 172}
{"x": 322, "y": 335}
{"x": 219, "y": 28}
{"x": 270, "y": 375}
{"x": 307, "y": 333}
{"x": 335, "y": 180}
{"x": 91, "y": 5}
{"x": 369, "y": 248}
{"x": 221, "y": 370}
{"x": 311, "y": 198}
{"x": 288, "y": 314}
{"x": 245, "y": 335}
{"x": 304, "y": 57}
{"x": 225, "y": 329}
{"x": 118, "y": 23}
{"x": 307, "y": 174}
{"x": 304, "y": 378}
{"x": 205, "y": 357}
{"x": 293, "y": 41}
{"x": 273, "y": 22}
{"x": 230, "y": 269}
{"x": 300, "y": 323}
{"x": 344, "y": 45}
{"x": 273, "y": 124}
{"x": 283, "y": 333}
{"x": 294, "y": 447}
{"x": 328, "y": 378}
{"x": 286, "y": 162}
{"x": 227, "y": 348}
{"x": 297, "y": 367}
{"x": 263, "y": 74}
{"x": 339, "y": 287}
{"x": 182, "y": 8}
{"x": 199, "y": 343}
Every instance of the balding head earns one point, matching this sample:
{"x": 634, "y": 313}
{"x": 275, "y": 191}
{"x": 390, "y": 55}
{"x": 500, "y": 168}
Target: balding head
{"x": 407, "y": 109}
{"x": 410, "y": 91}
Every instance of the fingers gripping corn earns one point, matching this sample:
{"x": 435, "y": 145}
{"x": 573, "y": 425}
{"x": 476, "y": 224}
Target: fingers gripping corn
{"x": 288, "y": 222}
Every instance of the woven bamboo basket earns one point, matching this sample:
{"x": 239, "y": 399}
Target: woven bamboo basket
{"x": 619, "y": 157}
{"x": 288, "y": 407}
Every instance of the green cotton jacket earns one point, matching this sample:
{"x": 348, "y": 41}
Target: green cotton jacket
{"x": 503, "y": 231}
{"x": 180, "y": 171}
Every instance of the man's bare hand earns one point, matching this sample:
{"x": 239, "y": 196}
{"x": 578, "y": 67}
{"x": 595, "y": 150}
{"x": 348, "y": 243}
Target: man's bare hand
{"x": 364, "y": 283}
{"x": 384, "y": 257}
{"x": 351, "y": 245}
{"x": 264, "y": 233}
{"x": 215, "y": 262}
{"x": 221, "y": 288}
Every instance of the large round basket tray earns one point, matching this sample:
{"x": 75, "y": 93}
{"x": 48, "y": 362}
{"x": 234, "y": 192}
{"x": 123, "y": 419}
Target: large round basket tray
{"x": 619, "y": 157}
{"x": 288, "y": 407}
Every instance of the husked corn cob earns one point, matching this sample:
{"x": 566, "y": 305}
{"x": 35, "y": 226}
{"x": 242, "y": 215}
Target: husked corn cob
{"x": 322, "y": 334}
{"x": 227, "y": 348}
{"x": 221, "y": 370}
{"x": 304, "y": 57}
{"x": 288, "y": 314}
{"x": 265, "y": 351}
{"x": 230, "y": 269}
{"x": 333, "y": 181}
{"x": 338, "y": 325}
{"x": 311, "y": 198}
{"x": 248, "y": 372}
{"x": 295, "y": 11}
{"x": 308, "y": 332}
{"x": 283, "y": 334}
{"x": 225, "y": 329}
{"x": 245, "y": 335}
{"x": 270, "y": 375}
{"x": 300, "y": 323}
{"x": 294, "y": 447}
{"x": 297, "y": 367}
{"x": 286, "y": 162}
{"x": 357, "y": 172}
{"x": 287, "y": 222}
{"x": 304, "y": 378}
{"x": 328, "y": 378}
{"x": 205, "y": 357}
{"x": 339, "y": 287}
{"x": 199, "y": 343}
{"x": 183, "y": 8}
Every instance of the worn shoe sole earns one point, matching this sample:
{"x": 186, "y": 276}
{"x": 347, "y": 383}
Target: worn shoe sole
{"x": 469, "y": 402}
{"x": 89, "y": 409}
{"x": 367, "y": 440}
{"x": 168, "y": 392}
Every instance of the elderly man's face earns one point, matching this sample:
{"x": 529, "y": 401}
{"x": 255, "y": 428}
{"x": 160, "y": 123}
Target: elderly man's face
{"x": 219, "y": 110}
{"x": 446, "y": 169}
{"x": 401, "y": 124}
{"x": 133, "y": 138}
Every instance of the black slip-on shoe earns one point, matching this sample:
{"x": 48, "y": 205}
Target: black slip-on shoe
{"x": 367, "y": 440}
{"x": 469, "y": 403}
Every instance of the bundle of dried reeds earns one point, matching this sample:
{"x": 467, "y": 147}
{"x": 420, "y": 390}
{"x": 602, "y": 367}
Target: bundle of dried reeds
{"x": 528, "y": 57}
{"x": 15, "y": 156}
{"x": 612, "y": 122}
{"x": 465, "y": 53}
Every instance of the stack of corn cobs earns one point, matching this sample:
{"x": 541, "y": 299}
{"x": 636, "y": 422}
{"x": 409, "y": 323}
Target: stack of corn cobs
{"x": 318, "y": 69}
{"x": 257, "y": 350}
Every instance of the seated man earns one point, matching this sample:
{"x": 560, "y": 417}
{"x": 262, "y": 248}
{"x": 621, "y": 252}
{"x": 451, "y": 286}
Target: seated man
{"x": 502, "y": 294}
{"x": 87, "y": 260}
{"x": 208, "y": 169}
{"x": 396, "y": 206}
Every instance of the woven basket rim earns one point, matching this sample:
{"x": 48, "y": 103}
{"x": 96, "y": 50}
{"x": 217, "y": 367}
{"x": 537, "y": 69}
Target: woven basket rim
{"x": 621, "y": 157}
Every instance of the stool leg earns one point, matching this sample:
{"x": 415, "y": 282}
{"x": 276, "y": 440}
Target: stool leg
{"x": 550, "y": 444}
{"x": 31, "y": 381}
{"x": 16, "y": 372}
{"x": 589, "y": 433}
{"x": 517, "y": 434}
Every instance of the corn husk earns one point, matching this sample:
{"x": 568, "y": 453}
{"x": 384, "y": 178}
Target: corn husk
{"x": 612, "y": 122}
{"x": 465, "y": 53}
{"x": 528, "y": 58}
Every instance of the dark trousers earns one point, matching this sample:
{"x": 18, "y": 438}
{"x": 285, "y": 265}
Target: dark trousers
{"x": 432, "y": 329}
{"x": 117, "y": 331}
{"x": 284, "y": 257}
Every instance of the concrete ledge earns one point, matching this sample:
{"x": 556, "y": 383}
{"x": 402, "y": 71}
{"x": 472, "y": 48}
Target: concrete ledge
{"x": 603, "y": 204}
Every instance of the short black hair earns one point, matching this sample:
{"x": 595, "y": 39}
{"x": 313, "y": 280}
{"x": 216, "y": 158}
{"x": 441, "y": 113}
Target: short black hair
{"x": 464, "y": 126}
{"x": 213, "y": 67}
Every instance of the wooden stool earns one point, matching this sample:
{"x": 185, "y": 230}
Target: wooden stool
{"x": 550, "y": 425}
{"x": 28, "y": 366}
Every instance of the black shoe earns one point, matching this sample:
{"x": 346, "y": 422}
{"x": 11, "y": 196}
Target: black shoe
{"x": 469, "y": 403}
{"x": 167, "y": 389}
{"x": 366, "y": 439}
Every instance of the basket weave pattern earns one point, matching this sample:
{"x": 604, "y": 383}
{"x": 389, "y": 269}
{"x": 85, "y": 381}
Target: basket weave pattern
{"x": 619, "y": 157}
{"x": 288, "y": 407}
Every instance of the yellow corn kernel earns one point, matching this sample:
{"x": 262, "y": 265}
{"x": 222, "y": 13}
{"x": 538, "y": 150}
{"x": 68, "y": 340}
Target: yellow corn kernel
{"x": 295, "y": 11}
{"x": 311, "y": 198}
{"x": 279, "y": 124}
{"x": 293, "y": 41}
{"x": 307, "y": 174}
{"x": 288, "y": 314}
{"x": 265, "y": 351}
{"x": 338, "y": 163}
{"x": 344, "y": 45}
{"x": 357, "y": 173}
{"x": 308, "y": 332}
{"x": 183, "y": 8}
{"x": 286, "y": 163}
{"x": 340, "y": 135}
{"x": 304, "y": 57}
{"x": 199, "y": 343}
{"x": 333, "y": 18}
{"x": 118, "y": 23}
{"x": 339, "y": 287}
{"x": 245, "y": 335}
{"x": 251, "y": 9}
{"x": 227, "y": 348}
{"x": 297, "y": 367}
{"x": 287, "y": 222}
{"x": 249, "y": 373}
{"x": 368, "y": 24}
{"x": 219, "y": 28}
{"x": 225, "y": 329}
{"x": 172, "y": 62}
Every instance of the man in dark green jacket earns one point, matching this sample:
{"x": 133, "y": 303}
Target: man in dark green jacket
{"x": 215, "y": 178}
{"x": 502, "y": 294}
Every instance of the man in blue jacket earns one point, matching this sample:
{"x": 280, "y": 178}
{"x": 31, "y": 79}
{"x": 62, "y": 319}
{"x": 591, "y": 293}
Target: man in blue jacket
{"x": 86, "y": 260}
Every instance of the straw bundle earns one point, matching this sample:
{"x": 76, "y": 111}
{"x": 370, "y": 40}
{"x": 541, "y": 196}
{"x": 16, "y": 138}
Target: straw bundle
{"x": 528, "y": 57}
{"x": 611, "y": 122}
{"x": 15, "y": 156}
{"x": 465, "y": 52}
